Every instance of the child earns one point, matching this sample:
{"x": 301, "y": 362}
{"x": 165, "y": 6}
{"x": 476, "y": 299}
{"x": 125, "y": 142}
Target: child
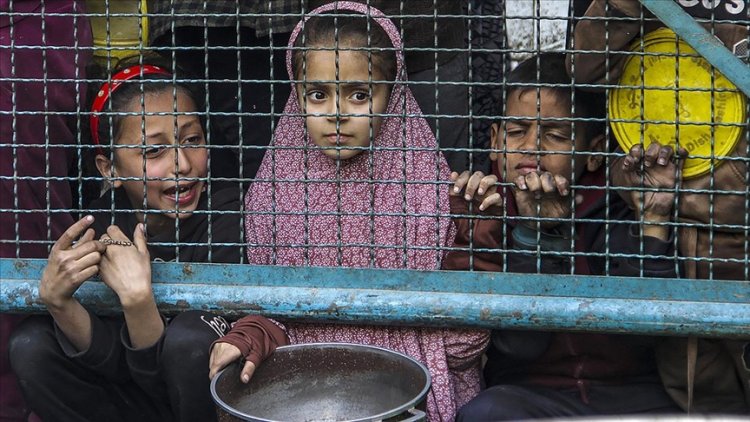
{"x": 83, "y": 367}
{"x": 317, "y": 202}
{"x": 707, "y": 375}
{"x": 555, "y": 205}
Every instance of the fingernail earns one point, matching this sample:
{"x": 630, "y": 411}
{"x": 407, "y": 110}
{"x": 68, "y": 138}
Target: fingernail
{"x": 456, "y": 189}
{"x": 245, "y": 378}
{"x": 662, "y": 161}
{"x": 481, "y": 191}
{"x": 89, "y": 218}
{"x": 467, "y": 197}
{"x": 142, "y": 227}
{"x": 481, "y": 208}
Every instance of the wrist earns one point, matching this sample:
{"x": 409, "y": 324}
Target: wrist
{"x": 60, "y": 305}
{"x": 137, "y": 300}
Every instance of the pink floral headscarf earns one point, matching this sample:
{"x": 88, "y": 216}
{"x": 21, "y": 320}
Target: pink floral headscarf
{"x": 384, "y": 208}
{"x": 374, "y": 210}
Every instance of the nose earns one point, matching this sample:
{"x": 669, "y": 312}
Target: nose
{"x": 182, "y": 161}
{"x": 530, "y": 140}
{"x": 337, "y": 109}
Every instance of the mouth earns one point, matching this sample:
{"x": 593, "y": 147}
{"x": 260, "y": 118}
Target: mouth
{"x": 334, "y": 138}
{"x": 527, "y": 167}
{"x": 182, "y": 194}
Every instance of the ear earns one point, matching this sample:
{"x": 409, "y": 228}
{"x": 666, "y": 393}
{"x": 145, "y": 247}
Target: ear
{"x": 593, "y": 162}
{"x": 107, "y": 170}
{"x": 495, "y": 140}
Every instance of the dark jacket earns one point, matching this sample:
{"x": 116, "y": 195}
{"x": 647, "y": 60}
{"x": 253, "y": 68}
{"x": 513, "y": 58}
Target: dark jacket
{"x": 224, "y": 218}
{"x": 565, "y": 360}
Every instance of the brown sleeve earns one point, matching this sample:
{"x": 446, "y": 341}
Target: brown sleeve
{"x": 487, "y": 233}
{"x": 256, "y": 336}
{"x": 602, "y": 36}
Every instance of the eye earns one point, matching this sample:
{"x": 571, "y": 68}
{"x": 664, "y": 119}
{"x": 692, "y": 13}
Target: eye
{"x": 360, "y": 96}
{"x": 193, "y": 140}
{"x": 558, "y": 137}
{"x": 316, "y": 96}
{"x": 152, "y": 151}
{"x": 515, "y": 132}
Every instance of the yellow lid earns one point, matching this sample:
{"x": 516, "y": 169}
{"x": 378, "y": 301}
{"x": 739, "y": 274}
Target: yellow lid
{"x": 662, "y": 97}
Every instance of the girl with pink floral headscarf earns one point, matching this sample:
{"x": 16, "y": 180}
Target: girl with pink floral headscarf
{"x": 354, "y": 179}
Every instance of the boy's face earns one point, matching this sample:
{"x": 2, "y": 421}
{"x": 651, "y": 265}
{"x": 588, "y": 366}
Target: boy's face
{"x": 173, "y": 155}
{"x": 342, "y": 106}
{"x": 534, "y": 143}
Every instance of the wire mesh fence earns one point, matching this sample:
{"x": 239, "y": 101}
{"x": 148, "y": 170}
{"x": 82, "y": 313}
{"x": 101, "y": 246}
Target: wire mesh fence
{"x": 270, "y": 133}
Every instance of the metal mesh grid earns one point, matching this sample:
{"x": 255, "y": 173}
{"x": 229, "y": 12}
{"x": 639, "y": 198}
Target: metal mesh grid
{"x": 241, "y": 49}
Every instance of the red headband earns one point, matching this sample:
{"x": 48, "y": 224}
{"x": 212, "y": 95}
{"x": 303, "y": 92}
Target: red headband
{"x": 109, "y": 87}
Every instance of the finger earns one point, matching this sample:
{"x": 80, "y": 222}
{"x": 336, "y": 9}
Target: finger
{"x": 454, "y": 176}
{"x": 633, "y": 158}
{"x": 85, "y": 248}
{"x": 533, "y": 183}
{"x": 652, "y": 154}
{"x": 71, "y": 234}
{"x": 460, "y": 182}
{"x": 491, "y": 201}
{"x": 664, "y": 155}
{"x": 563, "y": 185}
{"x": 548, "y": 182}
{"x": 88, "y": 260}
{"x": 487, "y": 183}
{"x": 680, "y": 157}
{"x": 86, "y": 274}
{"x": 473, "y": 184}
{"x": 115, "y": 233}
{"x": 247, "y": 371}
{"x": 139, "y": 237}
{"x": 88, "y": 236}
{"x": 520, "y": 183}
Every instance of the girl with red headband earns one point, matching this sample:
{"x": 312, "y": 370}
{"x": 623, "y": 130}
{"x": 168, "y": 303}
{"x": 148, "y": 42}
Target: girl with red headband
{"x": 148, "y": 135}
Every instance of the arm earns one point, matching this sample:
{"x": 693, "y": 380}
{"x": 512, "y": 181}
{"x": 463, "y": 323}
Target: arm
{"x": 253, "y": 338}
{"x": 69, "y": 265}
{"x": 126, "y": 269}
{"x": 606, "y": 36}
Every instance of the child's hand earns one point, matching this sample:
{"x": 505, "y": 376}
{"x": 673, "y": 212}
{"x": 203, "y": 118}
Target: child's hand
{"x": 478, "y": 187}
{"x": 542, "y": 195}
{"x": 222, "y": 354}
{"x": 656, "y": 171}
{"x": 69, "y": 264}
{"x": 127, "y": 269}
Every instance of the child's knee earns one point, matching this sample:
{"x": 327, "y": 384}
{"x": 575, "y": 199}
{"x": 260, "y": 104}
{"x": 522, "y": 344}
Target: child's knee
{"x": 32, "y": 344}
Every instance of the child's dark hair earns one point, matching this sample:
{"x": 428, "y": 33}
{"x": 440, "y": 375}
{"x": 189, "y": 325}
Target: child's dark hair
{"x": 549, "y": 69}
{"x": 132, "y": 89}
{"x": 331, "y": 29}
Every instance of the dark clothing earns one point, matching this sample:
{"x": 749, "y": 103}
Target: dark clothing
{"x": 224, "y": 218}
{"x": 113, "y": 382}
{"x": 515, "y": 402}
{"x": 164, "y": 382}
{"x": 562, "y": 360}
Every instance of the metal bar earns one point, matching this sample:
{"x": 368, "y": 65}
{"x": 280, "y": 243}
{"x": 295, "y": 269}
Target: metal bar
{"x": 702, "y": 41}
{"x": 429, "y": 298}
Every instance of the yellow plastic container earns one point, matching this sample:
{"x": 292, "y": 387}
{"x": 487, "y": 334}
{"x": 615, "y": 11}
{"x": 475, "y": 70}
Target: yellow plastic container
{"x": 128, "y": 34}
{"x": 669, "y": 93}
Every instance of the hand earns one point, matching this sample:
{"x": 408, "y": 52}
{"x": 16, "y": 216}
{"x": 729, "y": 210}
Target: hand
{"x": 127, "y": 269}
{"x": 70, "y": 265}
{"x": 477, "y": 187}
{"x": 543, "y": 195}
{"x": 657, "y": 172}
{"x": 222, "y": 354}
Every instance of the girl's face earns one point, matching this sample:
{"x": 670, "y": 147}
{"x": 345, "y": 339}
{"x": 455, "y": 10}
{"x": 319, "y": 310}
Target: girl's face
{"x": 330, "y": 105}
{"x": 171, "y": 158}
{"x": 539, "y": 144}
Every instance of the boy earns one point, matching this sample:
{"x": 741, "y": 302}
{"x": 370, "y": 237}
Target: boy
{"x": 555, "y": 205}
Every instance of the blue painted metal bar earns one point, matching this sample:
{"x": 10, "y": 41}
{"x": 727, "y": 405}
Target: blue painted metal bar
{"x": 702, "y": 41}
{"x": 433, "y": 298}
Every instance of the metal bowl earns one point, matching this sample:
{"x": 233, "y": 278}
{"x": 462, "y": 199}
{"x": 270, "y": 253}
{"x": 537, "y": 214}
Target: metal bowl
{"x": 324, "y": 382}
